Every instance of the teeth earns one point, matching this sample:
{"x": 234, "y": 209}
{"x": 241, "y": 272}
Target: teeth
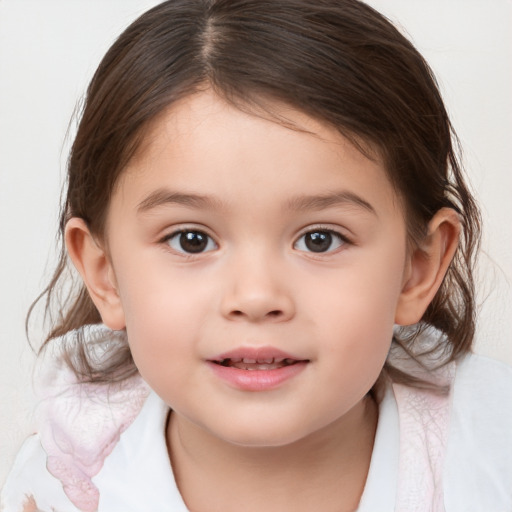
{"x": 247, "y": 363}
{"x": 268, "y": 360}
{"x": 263, "y": 363}
{"x": 261, "y": 367}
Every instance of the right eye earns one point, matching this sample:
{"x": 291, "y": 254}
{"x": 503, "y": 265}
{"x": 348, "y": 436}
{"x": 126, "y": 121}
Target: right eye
{"x": 191, "y": 242}
{"x": 320, "y": 241}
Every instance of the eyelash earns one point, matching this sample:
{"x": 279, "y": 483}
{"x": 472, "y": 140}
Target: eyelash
{"x": 181, "y": 232}
{"x": 205, "y": 243}
{"x": 332, "y": 234}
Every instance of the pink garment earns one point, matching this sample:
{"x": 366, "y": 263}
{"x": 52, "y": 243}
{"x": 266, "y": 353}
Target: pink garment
{"x": 80, "y": 424}
{"x": 424, "y": 419}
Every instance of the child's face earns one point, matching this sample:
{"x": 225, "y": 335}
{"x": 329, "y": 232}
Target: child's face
{"x": 229, "y": 234}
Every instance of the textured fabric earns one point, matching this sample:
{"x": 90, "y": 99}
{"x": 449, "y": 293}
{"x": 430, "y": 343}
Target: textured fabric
{"x": 103, "y": 447}
{"x": 81, "y": 423}
{"x": 424, "y": 418}
{"x": 77, "y": 448}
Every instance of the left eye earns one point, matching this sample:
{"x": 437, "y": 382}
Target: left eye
{"x": 191, "y": 242}
{"x": 319, "y": 241}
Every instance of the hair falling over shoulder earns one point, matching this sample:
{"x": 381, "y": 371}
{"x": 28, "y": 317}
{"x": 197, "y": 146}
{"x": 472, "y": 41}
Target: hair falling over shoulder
{"x": 338, "y": 61}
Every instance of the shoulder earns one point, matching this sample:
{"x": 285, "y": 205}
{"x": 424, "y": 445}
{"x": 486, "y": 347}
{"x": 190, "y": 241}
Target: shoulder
{"x": 78, "y": 424}
{"x": 475, "y": 370}
{"x": 30, "y": 487}
{"x": 478, "y": 469}
{"x": 482, "y": 399}
{"x": 456, "y": 448}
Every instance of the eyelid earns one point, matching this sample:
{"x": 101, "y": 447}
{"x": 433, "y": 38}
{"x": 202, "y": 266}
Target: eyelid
{"x": 178, "y": 230}
{"x": 337, "y": 232}
{"x": 170, "y": 231}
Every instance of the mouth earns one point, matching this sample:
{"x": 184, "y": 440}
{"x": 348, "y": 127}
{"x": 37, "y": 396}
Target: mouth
{"x": 251, "y": 364}
{"x": 257, "y": 369}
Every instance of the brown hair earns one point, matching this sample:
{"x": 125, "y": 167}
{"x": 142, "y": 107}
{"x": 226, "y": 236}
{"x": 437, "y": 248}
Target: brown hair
{"x": 339, "y": 61}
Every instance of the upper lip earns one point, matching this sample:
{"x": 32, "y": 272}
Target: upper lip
{"x": 256, "y": 355}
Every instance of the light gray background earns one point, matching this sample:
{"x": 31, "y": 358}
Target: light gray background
{"x": 48, "y": 52}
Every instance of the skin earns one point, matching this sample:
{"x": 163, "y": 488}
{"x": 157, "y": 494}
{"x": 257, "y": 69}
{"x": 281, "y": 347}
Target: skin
{"x": 307, "y": 443}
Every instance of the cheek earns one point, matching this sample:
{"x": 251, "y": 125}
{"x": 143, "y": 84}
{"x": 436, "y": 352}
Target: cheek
{"x": 153, "y": 291}
{"x": 356, "y": 312}
{"x": 362, "y": 293}
{"x": 165, "y": 314}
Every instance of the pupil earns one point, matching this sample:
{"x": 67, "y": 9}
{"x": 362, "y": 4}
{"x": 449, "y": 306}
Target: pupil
{"x": 319, "y": 241}
{"x": 193, "y": 241}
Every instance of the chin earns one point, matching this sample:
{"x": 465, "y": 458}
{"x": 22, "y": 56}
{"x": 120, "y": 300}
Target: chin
{"x": 260, "y": 434}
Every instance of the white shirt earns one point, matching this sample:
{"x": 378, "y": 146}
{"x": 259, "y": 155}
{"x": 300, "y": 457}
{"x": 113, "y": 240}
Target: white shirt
{"x": 476, "y": 462}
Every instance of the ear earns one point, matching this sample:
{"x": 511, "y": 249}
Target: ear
{"x": 92, "y": 261}
{"x": 427, "y": 266}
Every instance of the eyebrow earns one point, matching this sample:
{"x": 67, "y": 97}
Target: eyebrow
{"x": 162, "y": 197}
{"x": 320, "y": 202}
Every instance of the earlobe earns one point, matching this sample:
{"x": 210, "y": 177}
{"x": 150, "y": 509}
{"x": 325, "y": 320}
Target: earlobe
{"x": 93, "y": 264}
{"x": 427, "y": 266}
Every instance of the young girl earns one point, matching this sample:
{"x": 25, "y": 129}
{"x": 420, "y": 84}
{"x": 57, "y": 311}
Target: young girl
{"x": 276, "y": 244}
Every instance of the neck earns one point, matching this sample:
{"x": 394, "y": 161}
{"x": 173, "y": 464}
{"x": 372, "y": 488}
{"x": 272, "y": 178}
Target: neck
{"x": 325, "y": 471}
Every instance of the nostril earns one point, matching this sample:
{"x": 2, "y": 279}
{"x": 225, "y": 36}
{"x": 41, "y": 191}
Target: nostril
{"x": 274, "y": 313}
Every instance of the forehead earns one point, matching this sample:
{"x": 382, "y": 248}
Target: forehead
{"x": 202, "y": 144}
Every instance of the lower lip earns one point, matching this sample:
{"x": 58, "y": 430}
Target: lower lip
{"x": 257, "y": 380}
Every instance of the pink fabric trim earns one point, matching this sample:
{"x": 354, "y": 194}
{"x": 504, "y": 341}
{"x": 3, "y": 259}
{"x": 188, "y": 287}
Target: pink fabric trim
{"x": 80, "y": 424}
{"x": 424, "y": 418}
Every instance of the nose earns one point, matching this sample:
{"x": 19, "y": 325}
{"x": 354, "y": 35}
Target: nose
{"x": 256, "y": 291}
